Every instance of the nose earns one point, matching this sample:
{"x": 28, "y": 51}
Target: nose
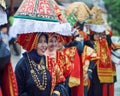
{"x": 44, "y": 44}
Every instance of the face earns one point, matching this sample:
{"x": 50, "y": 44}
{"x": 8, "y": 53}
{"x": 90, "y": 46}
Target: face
{"x": 4, "y": 30}
{"x": 42, "y": 45}
{"x": 59, "y": 46}
{"x": 96, "y": 37}
{"x": 52, "y": 43}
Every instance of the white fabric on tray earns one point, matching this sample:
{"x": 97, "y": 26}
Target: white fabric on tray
{"x": 29, "y": 26}
{"x": 97, "y": 28}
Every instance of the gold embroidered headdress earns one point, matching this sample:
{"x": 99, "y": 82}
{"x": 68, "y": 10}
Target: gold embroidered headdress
{"x": 96, "y": 22}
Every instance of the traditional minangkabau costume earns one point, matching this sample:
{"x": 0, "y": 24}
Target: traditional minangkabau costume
{"x": 41, "y": 16}
{"x": 102, "y": 83}
{"x": 69, "y": 61}
{"x": 52, "y": 74}
{"x": 77, "y": 18}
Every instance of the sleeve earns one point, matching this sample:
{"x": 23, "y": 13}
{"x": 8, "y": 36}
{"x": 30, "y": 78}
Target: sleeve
{"x": 60, "y": 90}
{"x": 21, "y": 76}
{"x": 59, "y": 74}
{"x": 90, "y": 69}
{"x": 71, "y": 44}
{"x": 78, "y": 44}
{"x": 108, "y": 37}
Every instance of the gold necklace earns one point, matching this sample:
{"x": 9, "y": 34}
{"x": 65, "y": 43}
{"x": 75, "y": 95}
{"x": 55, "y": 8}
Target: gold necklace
{"x": 38, "y": 69}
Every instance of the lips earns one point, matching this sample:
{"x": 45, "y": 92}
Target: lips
{"x": 43, "y": 49}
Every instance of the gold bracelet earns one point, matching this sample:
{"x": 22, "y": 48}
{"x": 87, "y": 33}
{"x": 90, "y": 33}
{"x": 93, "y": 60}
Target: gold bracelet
{"x": 57, "y": 92}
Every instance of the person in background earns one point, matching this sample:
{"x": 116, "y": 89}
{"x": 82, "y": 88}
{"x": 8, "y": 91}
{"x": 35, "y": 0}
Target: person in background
{"x": 5, "y": 37}
{"x": 103, "y": 77}
{"x": 8, "y": 84}
{"x": 13, "y": 36}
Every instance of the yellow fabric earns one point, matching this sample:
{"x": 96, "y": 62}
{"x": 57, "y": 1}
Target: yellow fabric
{"x": 80, "y": 10}
{"x": 96, "y": 16}
{"x": 88, "y": 55}
{"x": 104, "y": 64}
{"x": 11, "y": 85}
{"x": 73, "y": 81}
{"x": 11, "y": 89}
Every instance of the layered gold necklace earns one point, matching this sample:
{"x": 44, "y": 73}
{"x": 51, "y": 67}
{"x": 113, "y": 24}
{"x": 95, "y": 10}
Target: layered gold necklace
{"x": 38, "y": 69}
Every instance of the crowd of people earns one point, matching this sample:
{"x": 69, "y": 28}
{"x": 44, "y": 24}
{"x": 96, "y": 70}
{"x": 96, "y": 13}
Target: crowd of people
{"x": 77, "y": 65}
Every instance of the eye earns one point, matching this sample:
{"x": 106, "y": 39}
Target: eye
{"x": 40, "y": 41}
{"x": 45, "y": 41}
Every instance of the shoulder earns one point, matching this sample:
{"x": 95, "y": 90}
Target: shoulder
{"x": 21, "y": 63}
{"x": 89, "y": 43}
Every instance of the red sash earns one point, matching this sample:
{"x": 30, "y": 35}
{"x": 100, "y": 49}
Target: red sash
{"x": 104, "y": 64}
{"x": 10, "y": 87}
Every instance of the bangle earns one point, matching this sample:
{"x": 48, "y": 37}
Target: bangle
{"x": 90, "y": 70}
{"x": 57, "y": 92}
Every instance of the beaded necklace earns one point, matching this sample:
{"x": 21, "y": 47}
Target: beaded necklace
{"x": 38, "y": 69}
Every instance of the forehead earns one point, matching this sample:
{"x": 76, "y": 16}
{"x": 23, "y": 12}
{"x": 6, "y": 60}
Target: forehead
{"x": 53, "y": 38}
{"x": 42, "y": 38}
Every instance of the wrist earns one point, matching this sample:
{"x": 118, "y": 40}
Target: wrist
{"x": 56, "y": 92}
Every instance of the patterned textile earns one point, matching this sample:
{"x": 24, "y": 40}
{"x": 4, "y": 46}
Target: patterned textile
{"x": 104, "y": 65}
{"x": 28, "y": 41}
{"x": 97, "y": 16}
{"x": 59, "y": 13}
{"x": 88, "y": 55}
{"x": 40, "y": 16}
{"x": 37, "y": 10}
{"x": 55, "y": 72}
{"x": 71, "y": 18}
{"x": 79, "y": 9}
{"x": 65, "y": 59}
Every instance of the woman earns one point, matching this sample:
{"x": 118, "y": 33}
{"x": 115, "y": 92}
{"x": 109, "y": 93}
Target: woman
{"x": 102, "y": 82}
{"x": 51, "y": 54}
{"x": 34, "y": 74}
{"x": 52, "y": 46}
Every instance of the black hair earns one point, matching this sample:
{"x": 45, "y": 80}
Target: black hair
{"x": 79, "y": 25}
{"x": 2, "y": 26}
{"x": 43, "y": 34}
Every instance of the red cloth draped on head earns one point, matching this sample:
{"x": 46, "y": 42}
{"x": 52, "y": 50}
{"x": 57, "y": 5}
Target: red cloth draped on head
{"x": 29, "y": 41}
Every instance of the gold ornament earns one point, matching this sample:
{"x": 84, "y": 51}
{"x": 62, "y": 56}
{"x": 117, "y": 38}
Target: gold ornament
{"x": 35, "y": 70}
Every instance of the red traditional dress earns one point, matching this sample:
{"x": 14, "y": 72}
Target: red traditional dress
{"x": 88, "y": 55}
{"x": 9, "y": 82}
{"x": 105, "y": 67}
{"x": 70, "y": 62}
{"x": 54, "y": 69}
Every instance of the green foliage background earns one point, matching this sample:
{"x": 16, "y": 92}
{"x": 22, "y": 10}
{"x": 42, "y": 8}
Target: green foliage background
{"x": 113, "y": 9}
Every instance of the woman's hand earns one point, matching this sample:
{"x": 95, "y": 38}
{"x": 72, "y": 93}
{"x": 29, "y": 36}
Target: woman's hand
{"x": 56, "y": 93}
